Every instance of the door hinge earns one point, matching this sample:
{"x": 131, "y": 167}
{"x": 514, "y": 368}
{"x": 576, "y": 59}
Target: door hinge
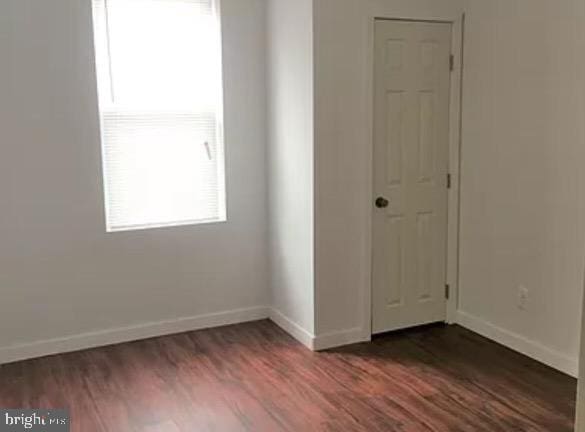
{"x": 447, "y": 291}
{"x": 451, "y": 62}
{"x": 449, "y": 181}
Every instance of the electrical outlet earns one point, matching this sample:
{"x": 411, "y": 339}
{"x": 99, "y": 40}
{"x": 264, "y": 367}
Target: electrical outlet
{"x": 522, "y": 300}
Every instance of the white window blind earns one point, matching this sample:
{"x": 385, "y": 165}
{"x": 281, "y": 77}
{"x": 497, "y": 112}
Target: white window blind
{"x": 160, "y": 95}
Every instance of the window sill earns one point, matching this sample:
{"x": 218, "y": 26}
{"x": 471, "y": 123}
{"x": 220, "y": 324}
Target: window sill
{"x": 165, "y": 225}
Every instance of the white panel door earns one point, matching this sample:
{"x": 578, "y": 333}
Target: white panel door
{"x": 411, "y": 147}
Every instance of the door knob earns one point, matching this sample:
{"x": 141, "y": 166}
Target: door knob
{"x": 382, "y": 202}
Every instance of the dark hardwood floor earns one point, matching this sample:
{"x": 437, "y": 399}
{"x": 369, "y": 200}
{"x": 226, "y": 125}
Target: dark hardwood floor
{"x": 254, "y": 377}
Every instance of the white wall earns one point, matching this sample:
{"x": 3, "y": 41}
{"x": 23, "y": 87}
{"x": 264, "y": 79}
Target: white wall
{"x": 290, "y": 108}
{"x": 343, "y": 160}
{"x": 60, "y": 273}
{"x": 523, "y": 182}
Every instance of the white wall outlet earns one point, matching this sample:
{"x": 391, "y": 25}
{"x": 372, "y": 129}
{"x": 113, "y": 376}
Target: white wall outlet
{"x": 522, "y": 300}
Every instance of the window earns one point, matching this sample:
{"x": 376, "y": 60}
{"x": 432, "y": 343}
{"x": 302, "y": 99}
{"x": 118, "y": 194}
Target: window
{"x": 160, "y": 95}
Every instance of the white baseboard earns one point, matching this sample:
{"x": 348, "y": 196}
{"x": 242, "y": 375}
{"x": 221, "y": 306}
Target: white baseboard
{"x": 320, "y": 342}
{"x": 325, "y": 341}
{"x": 292, "y": 328}
{"x": 340, "y": 338}
{"x": 83, "y": 341}
{"x": 519, "y": 343}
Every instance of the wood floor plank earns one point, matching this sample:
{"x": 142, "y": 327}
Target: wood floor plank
{"x": 254, "y": 377}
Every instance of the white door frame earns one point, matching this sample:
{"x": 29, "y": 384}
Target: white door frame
{"x": 455, "y": 121}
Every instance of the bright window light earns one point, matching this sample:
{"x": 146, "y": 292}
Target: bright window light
{"x": 160, "y": 95}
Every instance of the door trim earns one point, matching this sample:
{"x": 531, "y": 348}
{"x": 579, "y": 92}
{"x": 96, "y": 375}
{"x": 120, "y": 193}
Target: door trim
{"x": 455, "y": 148}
